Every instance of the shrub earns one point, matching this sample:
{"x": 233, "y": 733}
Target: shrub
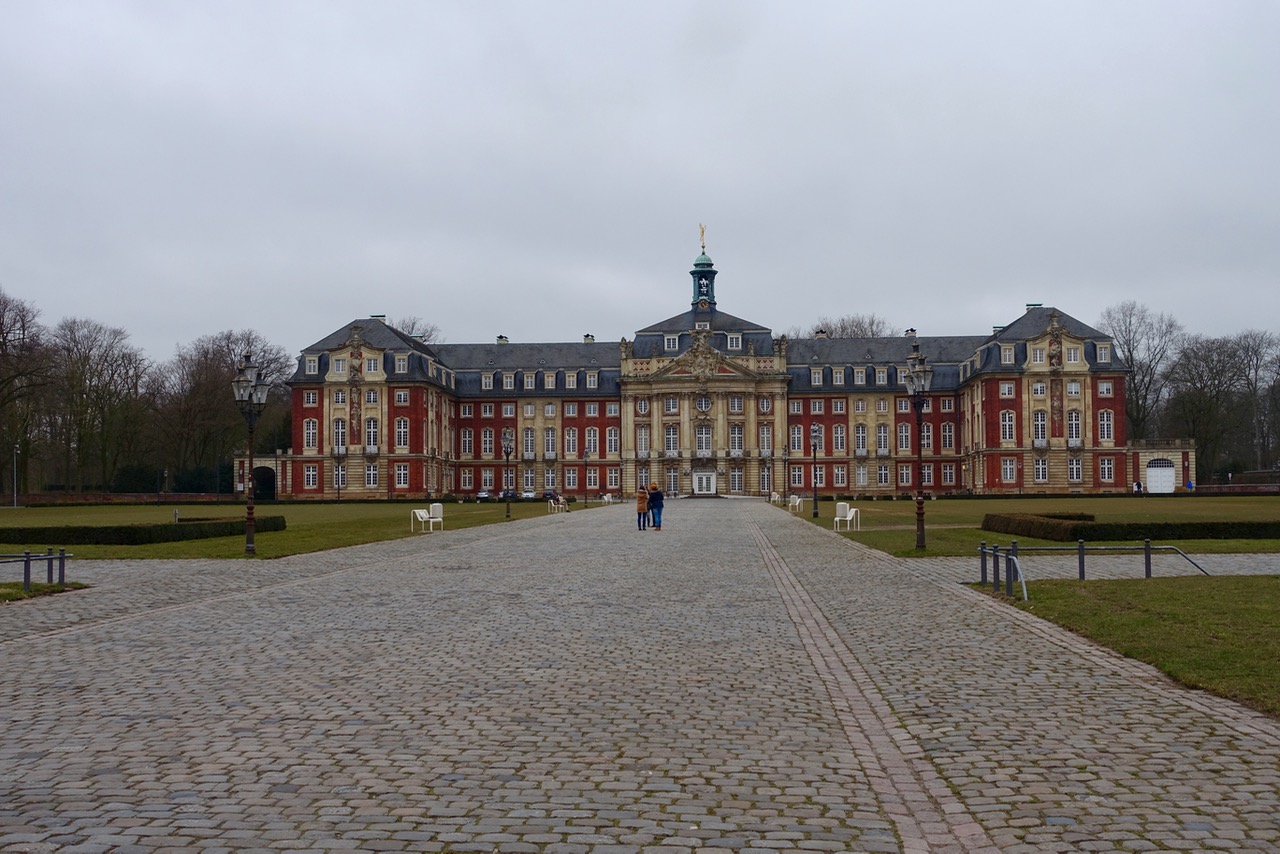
{"x": 136, "y": 535}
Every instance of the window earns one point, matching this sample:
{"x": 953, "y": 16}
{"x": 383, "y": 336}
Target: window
{"x": 926, "y": 474}
{"x": 549, "y": 441}
{"x": 486, "y": 381}
{"x": 612, "y": 439}
{"x": 611, "y": 410}
{"x": 1041, "y": 470}
{"x": 926, "y": 436}
{"x": 339, "y": 366}
{"x": 703, "y": 403}
{"x": 1039, "y": 425}
{"x": 1008, "y": 469}
{"x": 948, "y": 436}
{"x": 310, "y": 398}
{"x": 882, "y": 438}
{"x": 904, "y": 437}
{"x": 1073, "y": 355}
{"x": 882, "y": 404}
{"x": 372, "y": 366}
{"x": 402, "y": 397}
{"x": 1106, "y": 470}
{"x": 549, "y": 478}
{"x": 837, "y": 406}
{"x": 735, "y": 404}
{"x": 1037, "y": 355}
{"x": 570, "y": 478}
{"x": 486, "y": 441}
{"x": 904, "y": 404}
{"x": 310, "y": 476}
{"x": 508, "y": 410}
{"x": 1006, "y": 389}
{"x": 465, "y": 411}
{"x": 371, "y": 474}
{"x": 1105, "y": 388}
{"x": 702, "y": 324}
{"x": 797, "y": 407}
{"x": 402, "y": 432}
{"x": 571, "y": 379}
{"x": 593, "y": 379}
{"x": 837, "y": 376}
{"x": 735, "y": 437}
{"x": 313, "y": 365}
{"x": 593, "y": 441}
{"x": 508, "y": 381}
{"x": 310, "y": 432}
{"x": 766, "y": 437}
{"x": 882, "y": 376}
{"x": 838, "y": 438}
{"x": 840, "y": 476}
{"x": 1073, "y": 388}
{"x": 529, "y": 440}
{"x": 765, "y": 404}
{"x": 797, "y": 475}
{"x": 549, "y": 410}
{"x": 671, "y": 405}
{"x": 642, "y": 440}
{"x": 642, "y": 406}
{"x": 371, "y": 395}
{"x": 340, "y": 475}
{"x": 671, "y": 437}
{"x": 819, "y": 475}
{"x": 615, "y": 478}
{"x": 339, "y": 433}
{"x": 530, "y": 380}
{"x": 593, "y": 478}
{"x": 904, "y": 474}
{"x": 402, "y": 366}
{"x": 860, "y": 437}
{"x": 486, "y": 410}
{"x": 1007, "y": 425}
{"x": 570, "y": 410}
{"x": 549, "y": 379}
{"x": 860, "y": 405}
{"x": 948, "y": 474}
{"x": 815, "y": 376}
{"x": 1106, "y": 426}
{"x": 859, "y": 376}
{"x": 528, "y": 410}
{"x": 1075, "y": 470}
{"x": 702, "y": 438}
{"x": 570, "y": 441}
{"x": 1073, "y": 425}
{"x": 340, "y": 397}
{"x": 467, "y": 442}
{"x": 1104, "y": 352}
{"x": 1038, "y": 389}
{"x": 670, "y": 342}
{"x": 734, "y": 342}
{"x": 1006, "y": 354}
{"x": 797, "y": 438}
{"x": 815, "y": 407}
{"x": 948, "y": 405}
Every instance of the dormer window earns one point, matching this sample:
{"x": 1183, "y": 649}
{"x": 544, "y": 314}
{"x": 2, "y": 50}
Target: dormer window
{"x": 313, "y": 365}
{"x": 671, "y": 342}
{"x": 815, "y": 376}
{"x": 1104, "y": 352}
{"x": 371, "y": 366}
{"x": 1006, "y": 354}
{"x": 735, "y": 342}
{"x": 702, "y": 324}
{"x": 1073, "y": 355}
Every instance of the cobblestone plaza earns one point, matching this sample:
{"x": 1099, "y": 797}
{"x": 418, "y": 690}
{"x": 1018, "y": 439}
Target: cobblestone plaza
{"x": 741, "y": 680}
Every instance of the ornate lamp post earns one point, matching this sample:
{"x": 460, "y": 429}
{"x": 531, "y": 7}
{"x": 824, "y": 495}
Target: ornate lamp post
{"x": 508, "y": 482}
{"x": 918, "y": 379}
{"x": 15, "y": 474}
{"x": 250, "y": 390}
{"x": 815, "y": 436}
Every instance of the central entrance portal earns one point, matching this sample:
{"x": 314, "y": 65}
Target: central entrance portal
{"x": 704, "y": 483}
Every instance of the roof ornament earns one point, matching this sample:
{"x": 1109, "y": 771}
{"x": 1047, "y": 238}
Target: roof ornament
{"x": 702, "y": 237}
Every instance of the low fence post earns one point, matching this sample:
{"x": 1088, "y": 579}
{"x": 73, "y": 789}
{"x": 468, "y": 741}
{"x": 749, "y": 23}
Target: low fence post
{"x": 26, "y": 571}
{"x": 1080, "y": 551}
{"x": 62, "y": 567}
{"x": 48, "y": 568}
{"x": 1010, "y": 564}
{"x": 982, "y": 551}
{"x": 995, "y": 567}
{"x": 1146, "y": 555}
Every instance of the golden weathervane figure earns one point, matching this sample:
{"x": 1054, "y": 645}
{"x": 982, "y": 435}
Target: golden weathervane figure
{"x": 702, "y": 236}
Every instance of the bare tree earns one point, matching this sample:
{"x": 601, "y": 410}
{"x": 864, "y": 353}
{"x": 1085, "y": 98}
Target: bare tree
{"x": 848, "y": 326}
{"x": 414, "y": 326}
{"x": 1148, "y": 343}
{"x": 1259, "y": 355}
{"x": 24, "y": 369}
{"x": 1205, "y": 396}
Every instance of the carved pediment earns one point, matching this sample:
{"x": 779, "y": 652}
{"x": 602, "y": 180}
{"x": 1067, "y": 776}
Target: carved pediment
{"x": 702, "y": 362}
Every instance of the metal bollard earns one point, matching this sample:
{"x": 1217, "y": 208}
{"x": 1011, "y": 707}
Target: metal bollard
{"x": 982, "y": 551}
{"x": 48, "y": 568}
{"x": 26, "y": 571}
{"x": 1080, "y": 552}
{"x": 995, "y": 568}
{"x": 1146, "y": 555}
{"x": 1011, "y": 564}
{"x": 62, "y": 567}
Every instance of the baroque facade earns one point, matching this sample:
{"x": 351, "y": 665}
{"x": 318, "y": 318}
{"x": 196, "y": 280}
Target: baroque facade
{"x": 706, "y": 403}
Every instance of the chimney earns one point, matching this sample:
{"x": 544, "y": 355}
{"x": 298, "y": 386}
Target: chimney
{"x": 821, "y": 333}
{"x": 910, "y": 333}
{"x": 996, "y": 330}
{"x": 588, "y": 338}
{"x": 1032, "y": 305}
{"x": 502, "y": 339}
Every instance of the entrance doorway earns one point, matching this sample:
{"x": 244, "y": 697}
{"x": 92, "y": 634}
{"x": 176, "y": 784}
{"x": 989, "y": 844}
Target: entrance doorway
{"x": 704, "y": 483}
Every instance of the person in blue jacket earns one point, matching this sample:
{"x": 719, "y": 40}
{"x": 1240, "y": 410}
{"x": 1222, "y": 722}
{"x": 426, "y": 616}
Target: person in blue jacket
{"x": 655, "y": 505}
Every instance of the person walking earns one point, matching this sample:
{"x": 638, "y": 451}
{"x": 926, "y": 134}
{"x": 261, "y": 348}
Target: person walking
{"x": 655, "y": 505}
{"x": 642, "y": 508}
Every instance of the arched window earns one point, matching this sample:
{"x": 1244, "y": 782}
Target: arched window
{"x": 1007, "y": 426}
{"x": 1106, "y": 425}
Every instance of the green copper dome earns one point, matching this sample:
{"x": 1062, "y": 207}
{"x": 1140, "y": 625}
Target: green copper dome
{"x": 702, "y": 261}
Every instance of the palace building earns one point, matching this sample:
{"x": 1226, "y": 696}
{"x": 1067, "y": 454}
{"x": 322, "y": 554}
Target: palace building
{"x": 706, "y": 403}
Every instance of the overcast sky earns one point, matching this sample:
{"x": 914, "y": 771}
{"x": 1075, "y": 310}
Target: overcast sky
{"x": 539, "y": 170}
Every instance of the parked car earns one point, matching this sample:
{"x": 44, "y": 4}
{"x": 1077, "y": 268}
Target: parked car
{"x": 550, "y": 495}
{"x": 507, "y": 495}
{"x": 483, "y": 495}
{"x": 528, "y": 493}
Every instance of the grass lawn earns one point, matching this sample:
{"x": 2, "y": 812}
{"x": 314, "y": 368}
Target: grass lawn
{"x": 952, "y": 526}
{"x": 1217, "y": 634}
{"x": 309, "y": 527}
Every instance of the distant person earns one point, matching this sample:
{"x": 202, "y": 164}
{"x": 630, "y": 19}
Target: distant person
{"x": 1137, "y": 487}
{"x": 642, "y": 509}
{"x": 655, "y": 505}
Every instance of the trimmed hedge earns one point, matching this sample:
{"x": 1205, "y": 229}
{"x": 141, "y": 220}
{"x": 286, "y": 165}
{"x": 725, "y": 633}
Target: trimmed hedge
{"x": 1062, "y": 528}
{"x": 137, "y": 535}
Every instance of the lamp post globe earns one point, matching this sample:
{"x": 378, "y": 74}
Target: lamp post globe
{"x": 508, "y": 482}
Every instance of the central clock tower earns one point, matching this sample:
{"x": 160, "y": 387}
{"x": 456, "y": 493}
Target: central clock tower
{"x": 704, "y": 282}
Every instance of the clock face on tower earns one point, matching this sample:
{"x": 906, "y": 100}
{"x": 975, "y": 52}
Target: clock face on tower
{"x": 702, "y": 303}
